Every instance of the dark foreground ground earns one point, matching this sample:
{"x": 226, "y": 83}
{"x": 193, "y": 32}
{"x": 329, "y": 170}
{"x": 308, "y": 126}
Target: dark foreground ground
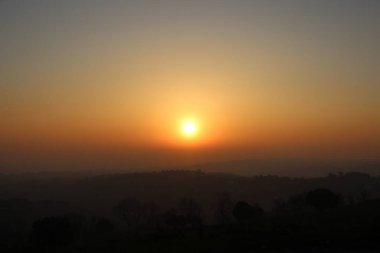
{"x": 189, "y": 211}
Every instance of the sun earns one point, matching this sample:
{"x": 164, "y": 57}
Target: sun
{"x": 189, "y": 128}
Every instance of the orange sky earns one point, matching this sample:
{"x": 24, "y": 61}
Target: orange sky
{"x": 260, "y": 80}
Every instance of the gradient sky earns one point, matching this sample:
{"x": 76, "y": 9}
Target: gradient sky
{"x": 109, "y": 82}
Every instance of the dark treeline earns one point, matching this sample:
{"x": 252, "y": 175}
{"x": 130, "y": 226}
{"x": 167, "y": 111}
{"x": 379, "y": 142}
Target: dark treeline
{"x": 188, "y": 211}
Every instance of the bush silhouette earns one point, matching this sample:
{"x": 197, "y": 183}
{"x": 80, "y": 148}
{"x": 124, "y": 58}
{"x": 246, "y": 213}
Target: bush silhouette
{"x": 322, "y": 199}
{"x": 244, "y": 212}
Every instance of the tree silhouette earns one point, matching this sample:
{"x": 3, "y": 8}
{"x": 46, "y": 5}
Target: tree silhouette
{"x": 190, "y": 208}
{"x": 174, "y": 220}
{"x": 244, "y": 212}
{"x": 192, "y": 211}
{"x": 223, "y": 208}
{"x": 136, "y": 213}
{"x": 364, "y": 195}
{"x": 322, "y": 199}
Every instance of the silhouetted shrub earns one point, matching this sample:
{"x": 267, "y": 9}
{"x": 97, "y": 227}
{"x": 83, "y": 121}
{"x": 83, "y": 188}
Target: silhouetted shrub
{"x": 244, "y": 212}
{"x": 322, "y": 199}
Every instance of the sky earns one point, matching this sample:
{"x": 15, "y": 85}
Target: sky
{"x": 108, "y": 84}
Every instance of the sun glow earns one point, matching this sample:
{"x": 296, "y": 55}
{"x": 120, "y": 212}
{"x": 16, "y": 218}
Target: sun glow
{"x": 189, "y": 128}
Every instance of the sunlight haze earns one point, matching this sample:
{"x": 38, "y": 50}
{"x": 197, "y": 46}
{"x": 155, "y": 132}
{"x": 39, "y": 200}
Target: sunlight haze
{"x": 85, "y": 79}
